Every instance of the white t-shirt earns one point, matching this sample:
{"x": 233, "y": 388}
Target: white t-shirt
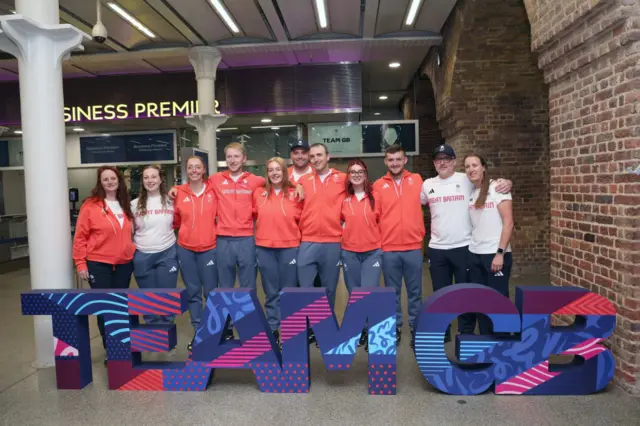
{"x": 448, "y": 201}
{"x": 115, "y": 208}
{"x": 359, "y": 195}
{"x": 297, "y": 176}
{"x": 324, "y": 176}
{"x": 487, "y": 222}
{"x": 154, "y": 232}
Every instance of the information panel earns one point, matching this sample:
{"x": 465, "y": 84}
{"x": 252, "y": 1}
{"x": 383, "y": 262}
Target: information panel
{"x": 366, "y": 139}
{"x": 132, "y": 148}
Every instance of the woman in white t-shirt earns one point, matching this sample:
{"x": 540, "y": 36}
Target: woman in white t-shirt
{"x": 492, "y": 220}
{"x": 155, "y": 263}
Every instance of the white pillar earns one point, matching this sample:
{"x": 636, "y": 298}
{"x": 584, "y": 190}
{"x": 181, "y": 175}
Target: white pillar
{"x": 35, "y": 37}
{"x": 205, "y": 60}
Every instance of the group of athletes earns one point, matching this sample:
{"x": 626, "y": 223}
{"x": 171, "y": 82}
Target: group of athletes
{"x": 296, "y": 224}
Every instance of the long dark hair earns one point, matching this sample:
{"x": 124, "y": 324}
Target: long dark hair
{"x": 366, "y": 184}
{"x": 484, "y": 189}
{"x": 144, "y": 195}
{"x": 122, "y": 195}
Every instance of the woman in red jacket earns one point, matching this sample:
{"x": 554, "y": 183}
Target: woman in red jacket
{"x": 194, "y": 216}
{"x": 277, "y": 212}
{"x": 361, "y": 241}
{"x": 103, "y": 247}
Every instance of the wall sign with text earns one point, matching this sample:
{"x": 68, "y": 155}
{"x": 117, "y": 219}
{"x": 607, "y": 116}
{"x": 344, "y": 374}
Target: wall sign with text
{"x": 366, "y": 139}
{"x": 130, "y": 148}
{"x": 138, "y": 110}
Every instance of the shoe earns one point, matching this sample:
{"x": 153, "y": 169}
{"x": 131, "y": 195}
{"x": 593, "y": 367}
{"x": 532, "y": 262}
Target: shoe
{"x": 398, "y": 335}
{"x": 228, "y": 335}
{"x": 190, "y": 345}
{"x": 363, "y": 338}
{"x": 312, "y": 336}
{"x": 276, "y": 334}
{"x": 412, "y": 343}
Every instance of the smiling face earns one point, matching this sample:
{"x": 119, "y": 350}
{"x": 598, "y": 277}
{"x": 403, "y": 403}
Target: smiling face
{"x": 274, "y": 172}
{"x": 319, "y": 158}
{"x": 300, "y": 158}
{"x": 195, "y": 169}
{"x": 474, "y": 169}
{"x": 151, "y": 179}
{"x": 444, "y": 165}
{"x": 235, "y": 159}
{"x": 395, "y": 162}
{"x": 109, "y": 181}
{"x": 357, "y": 175}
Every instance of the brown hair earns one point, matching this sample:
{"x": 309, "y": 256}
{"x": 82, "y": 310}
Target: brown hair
{"x": 144, "y": 195}
{"x": 285, "y": 175}
{"x": 122, "y": 194}
{"x": 393, "y": 149}
{"x": 366, "y": 184}
{"x": 484, "y": 189}
{"x": 204, "y": 166}
{"x": 326, "y": 150}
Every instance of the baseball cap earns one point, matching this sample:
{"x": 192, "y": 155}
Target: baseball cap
{"x": 300, "y": 144}
{"x": 444, "y": 149}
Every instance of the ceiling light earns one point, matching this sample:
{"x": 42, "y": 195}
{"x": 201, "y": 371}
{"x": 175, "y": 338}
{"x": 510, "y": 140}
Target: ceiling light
{"x": 225, "y": 15}
{"x": 105, "y": 135}
{"x": 17, "y": 132}
{"x": 344, "y": 62}
{"x": 322, "y": 13}
{"x": 413, "y": 11}
{"x": 227, "y": 128}
{"x": 265, "y": 120}
{"x": 269, "y": 127}
{"x": 217, "y": 130}
{"x": 129, "y": 18}
{"x": 383, "y": 97}
{"x": 275, "y": 128}
{"x": 376, "y": 113}
{"x": 78, "y": 129}
{"x": 394, "y": 65}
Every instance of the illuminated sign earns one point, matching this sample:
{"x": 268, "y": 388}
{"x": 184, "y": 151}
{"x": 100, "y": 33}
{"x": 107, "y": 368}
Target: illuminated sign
{"x": 135, "y": 111}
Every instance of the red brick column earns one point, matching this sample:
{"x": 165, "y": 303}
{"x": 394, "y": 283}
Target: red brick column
{"x": 590, "y": 56}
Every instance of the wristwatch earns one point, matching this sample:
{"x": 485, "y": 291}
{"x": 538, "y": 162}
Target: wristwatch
{"x": 500, "y": 251}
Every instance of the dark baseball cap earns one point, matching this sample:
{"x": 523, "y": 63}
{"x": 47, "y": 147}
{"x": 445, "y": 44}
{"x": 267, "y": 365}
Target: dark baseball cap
{"x": 444, "y": 149}
{"x": 300, "y": 144}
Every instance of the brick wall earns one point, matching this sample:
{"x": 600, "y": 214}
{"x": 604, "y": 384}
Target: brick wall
{"x": 492, "y": 100}
{"x": 589, "y": 53}
{"x": 420, "y": 104}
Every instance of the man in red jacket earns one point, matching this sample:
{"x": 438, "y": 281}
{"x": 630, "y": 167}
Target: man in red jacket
{"x": 319, "y": 253}
{"x": 234, "y": 189}
{"x": 402, "y": 230}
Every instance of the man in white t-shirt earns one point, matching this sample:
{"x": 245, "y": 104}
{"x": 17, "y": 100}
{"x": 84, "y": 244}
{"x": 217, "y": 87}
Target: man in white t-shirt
{"x": 447, "y": 196}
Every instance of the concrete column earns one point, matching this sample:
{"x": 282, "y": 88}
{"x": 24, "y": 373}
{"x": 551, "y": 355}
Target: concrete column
{"x": 34, "y": 36}
{"x": 205, "y": 60}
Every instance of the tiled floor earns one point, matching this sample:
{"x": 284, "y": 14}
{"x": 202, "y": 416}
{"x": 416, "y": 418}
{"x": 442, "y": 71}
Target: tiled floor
{"x": 29, "y": 396}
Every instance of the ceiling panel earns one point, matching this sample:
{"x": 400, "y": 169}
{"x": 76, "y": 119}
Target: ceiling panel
{"x": 150, "y": 18}
{"x": 71, "y": 71}
{"x": 172, "y": 63}
{"x": 256, "y": 59}
{"x": 248, "y": 18}
{"x": 299, "y": 17}
{"x": 126, "y": 66}
{"x": 434, "y": 14}
{"x": 344, "y": 16}
{"x": 118, "y": 29}
{"x": 391, "y": 13}
{"x": 6, "y": 75}
{"x": 202, "y": 18}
